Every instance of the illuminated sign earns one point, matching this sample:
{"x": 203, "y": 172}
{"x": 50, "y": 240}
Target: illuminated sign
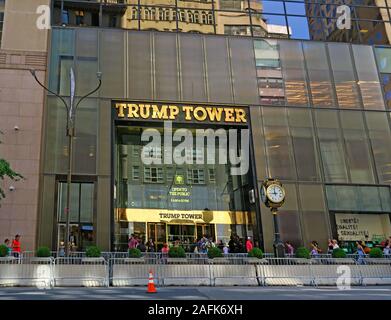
{"x": 140, "y": 111}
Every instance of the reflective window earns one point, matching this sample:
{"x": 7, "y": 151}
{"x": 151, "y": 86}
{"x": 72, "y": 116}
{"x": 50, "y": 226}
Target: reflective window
{"x": 380, "y": 137}
{"x": 292, "y": 61}
{"x": 368, "y": 78}
{"x": 331, "y": 146}
{"x": 279, "y": 150}
{"x": 319, "y": 74}
{"x": 343, "y": 73}
{"x": 357, "y": 147}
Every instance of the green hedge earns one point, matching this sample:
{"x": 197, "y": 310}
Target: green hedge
{"x": 176, "y": 252}
{"x": 43, "y": 252}
{"x": 3, "y": 250}
{"x": 93, "y": 252}
{"x": 134, "y": 253}
{"x": 214, "y": 252}
{"x": 376, "y": 253}
{"x": 256, "y": 253}
{"x": 339, "y": 253}
{"x": 303, "y": 252}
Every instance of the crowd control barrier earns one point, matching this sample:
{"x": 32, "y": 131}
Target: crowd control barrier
{"x": 27, "y": 271}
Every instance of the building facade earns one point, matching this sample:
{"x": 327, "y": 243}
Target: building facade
{"x": 315, "y": 105}
{"x": 23, "y": 47}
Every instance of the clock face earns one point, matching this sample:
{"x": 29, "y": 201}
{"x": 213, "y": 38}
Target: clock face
{"x": 275, "y": 193}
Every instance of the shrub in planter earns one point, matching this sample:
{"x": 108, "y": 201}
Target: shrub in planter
{"x": 339, "y": 253}
{"x": 256, "y": 253}
{"x": 43, "y": 252}
{"x": 376, "y": 253}
{"x": 3, "y": 250}
{"x": 93, "y": 252}
{"x": 303, "y": 252}
{"x": 134, "y": 253}
{"x": 176, "y": 252}
{"x": 214, "y": 252}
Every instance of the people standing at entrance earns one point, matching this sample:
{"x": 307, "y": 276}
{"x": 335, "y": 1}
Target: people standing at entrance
{"x": 7, "y": 242}
{"x": 133, "y": 243}
{"x": 231, "y": 244}
{"x": 387, "y": 248}
{"x": 335, "y": 244}
{"x": 151, "y": 246}
{"x": 141, "y": 245}
{"x": 330, "y": 246}
{"x": 249, "y": 244}
{"x": 220, "y": 245}
{"x": 289, "y": 248}
{"x": 16, "y": 246}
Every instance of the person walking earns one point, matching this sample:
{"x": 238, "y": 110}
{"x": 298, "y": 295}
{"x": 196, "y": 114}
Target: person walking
{"x": 330, "y": 246}
{"x": 249, "y": 244}
{"x": 231, "y": 244}
{"x": 387, "y": 248}
{"x": 360, "y": 253}
{"x": 16, "y": 246}
{"x": 289, "y": 248}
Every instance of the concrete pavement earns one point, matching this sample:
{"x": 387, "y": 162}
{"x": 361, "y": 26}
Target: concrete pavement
{"x": 199, "y": 293}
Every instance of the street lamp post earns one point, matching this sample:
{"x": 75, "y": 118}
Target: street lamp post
{"x": 70, "y": 132}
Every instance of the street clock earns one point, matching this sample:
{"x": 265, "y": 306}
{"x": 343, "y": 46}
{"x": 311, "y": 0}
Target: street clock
{"x": 272, "y": 193}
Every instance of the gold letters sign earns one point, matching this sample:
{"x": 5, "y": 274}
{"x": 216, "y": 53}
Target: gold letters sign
{"x": 173, "y": 112}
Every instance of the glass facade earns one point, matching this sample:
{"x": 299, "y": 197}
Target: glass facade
{"x": 365, "y": 21}
{"x": 318, "y": 114}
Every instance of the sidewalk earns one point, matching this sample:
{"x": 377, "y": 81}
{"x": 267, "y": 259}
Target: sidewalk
{"x": 199, "y": 293}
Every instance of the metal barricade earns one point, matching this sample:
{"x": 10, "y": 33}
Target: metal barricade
{"x": 376, "y": 271}
{"x": 285, "y": 272}
{"x": 78, "y": 271}
{"x": 27, "y": 271}
{"x": 185, "y": 272}
{"x": 243, "y": 273}
{"x": 133, "y": 271}
{"x": 335, "y": 271}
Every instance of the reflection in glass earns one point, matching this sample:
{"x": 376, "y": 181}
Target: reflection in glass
{"x": 343, "y": 74}
{"x": 319, "y": 74}
{"x": 368, "y": 77}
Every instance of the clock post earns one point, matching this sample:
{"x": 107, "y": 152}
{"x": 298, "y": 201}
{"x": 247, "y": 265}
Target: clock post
{"x": 273, "y": 196}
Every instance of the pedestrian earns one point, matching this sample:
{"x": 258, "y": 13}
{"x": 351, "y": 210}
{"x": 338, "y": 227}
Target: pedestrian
{"x": 360, "y": 253}
{"x": 231, "y": 244}
{"x": 335, "y": 244}
{"x": 249, "y": 244}
{"x": 61, "y": 249}
{"x": 330, "y": 246}
{"x": 16, "y": 246}
{"x": 289, "y": 248}
{"x": 315, "y": 248}
{"x": 165, "y": 248}
{"x": 387, "y": 248}
{"x": 151, "y": 245}
{"x": 7, "y": 242}
{"x": 133, "y": 243}
{"x": 220, "y": 245}
{"x": 141, "y": 245}
{"x": 225, "y": 249}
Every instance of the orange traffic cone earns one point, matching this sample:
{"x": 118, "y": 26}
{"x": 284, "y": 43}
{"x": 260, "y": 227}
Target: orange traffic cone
{"x": 151, "y": 284}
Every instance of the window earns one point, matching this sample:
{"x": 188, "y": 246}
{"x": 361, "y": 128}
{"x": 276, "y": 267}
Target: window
{"x": 196, "y": 176}
{"x": 210, "y": 18}
{"x": 152, "y": 152}
{"x": 79, "y": 17}
{"x": 196, "y": 17}
{"x": 182, "y": 15}
{"x": 136, "y": 173}
{"x": 212, "y": 175}
{"x": 153, "y": 175}
{"x": 147, "y": 15}
{"x": 204, "y": 18}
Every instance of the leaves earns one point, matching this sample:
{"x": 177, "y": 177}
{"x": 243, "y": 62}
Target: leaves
{"x": 6, "y": 171}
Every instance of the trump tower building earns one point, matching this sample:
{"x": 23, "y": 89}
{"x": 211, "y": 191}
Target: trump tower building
{"x": 279, "y": 85}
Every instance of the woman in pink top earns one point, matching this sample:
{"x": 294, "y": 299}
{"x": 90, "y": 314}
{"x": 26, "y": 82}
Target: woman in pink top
{"x": 249, "y": 245}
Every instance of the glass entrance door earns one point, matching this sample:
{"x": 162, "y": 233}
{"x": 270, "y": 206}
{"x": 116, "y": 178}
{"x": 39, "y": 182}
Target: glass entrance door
{"x": 182, "y": 234}
{"x": 157, "y": 231}
{"x": 206, "y": 229}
